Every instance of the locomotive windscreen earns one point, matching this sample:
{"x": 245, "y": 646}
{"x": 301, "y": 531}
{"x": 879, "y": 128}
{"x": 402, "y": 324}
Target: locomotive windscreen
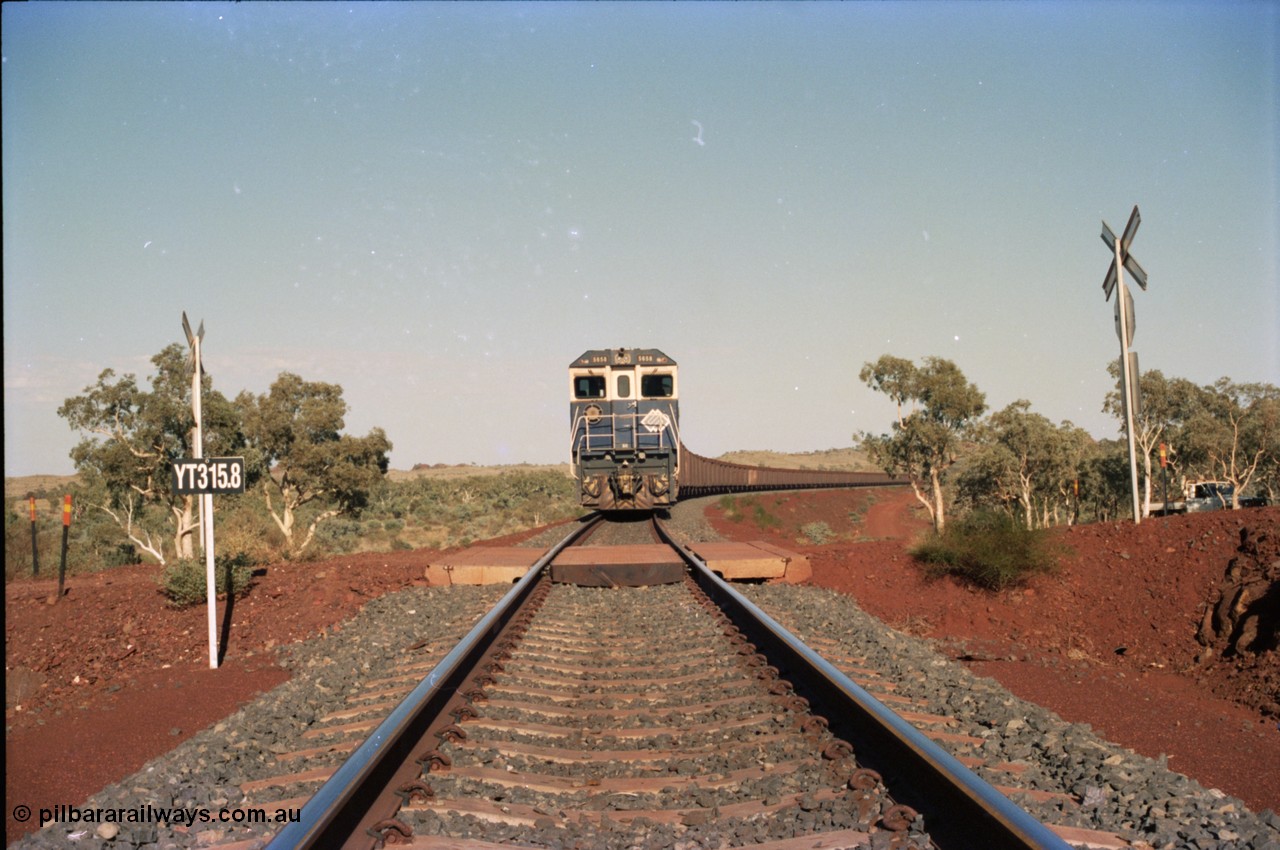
{"x": 657, "y": 386}
{"x": 588, "y": 386}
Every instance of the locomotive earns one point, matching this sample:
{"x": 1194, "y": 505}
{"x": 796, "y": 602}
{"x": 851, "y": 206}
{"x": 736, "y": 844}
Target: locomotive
{"x": 624, "y": 409}
{"x": 626, "y": 450}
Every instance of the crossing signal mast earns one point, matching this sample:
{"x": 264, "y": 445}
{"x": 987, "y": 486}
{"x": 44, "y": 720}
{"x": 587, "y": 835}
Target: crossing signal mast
{"x": 1130, "y": 395}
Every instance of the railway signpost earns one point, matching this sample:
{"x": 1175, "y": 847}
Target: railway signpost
{"x": 204, "y": 495}
{"x": 204, "y": 476}
{"x": 1130, "y": 397}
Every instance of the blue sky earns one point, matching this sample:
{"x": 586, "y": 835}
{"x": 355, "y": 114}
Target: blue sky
{"x": 439, "y": 206}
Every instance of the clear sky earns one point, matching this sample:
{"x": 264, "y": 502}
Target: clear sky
{"x": 439, "y": 206}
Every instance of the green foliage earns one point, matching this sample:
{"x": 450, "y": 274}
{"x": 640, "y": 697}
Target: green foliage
{"x": 94, "y": 541}
{"x": 818, "y": 532}
{"x": 1017, "y": 461}
{"x": 243, "y": 526}
{"x": 1224, "y": 431}
{"x": 729, "y": 504}
{"x": 1022, "y": 462}
{"x": 741, "y": 509}
{"x": 927, "y": 440}
{"x": 133, "y": 435}
{"x": 750, "y": 508}
{"x": 185, "y": 581}
{"x": 443, "y": 512}
{"x": 294, "y": 430}
{"x": 989, "y": 549}
{"x": 1104, "y": 482}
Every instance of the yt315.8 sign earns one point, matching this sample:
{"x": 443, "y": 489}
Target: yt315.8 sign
{"x": 195, "y": 475}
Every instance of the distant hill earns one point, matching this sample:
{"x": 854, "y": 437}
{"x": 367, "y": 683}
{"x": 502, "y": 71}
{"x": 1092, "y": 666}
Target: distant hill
{"x": 842, "y": 459}
{"x": 468, "y": 470}
{"x": 19, "y": 487}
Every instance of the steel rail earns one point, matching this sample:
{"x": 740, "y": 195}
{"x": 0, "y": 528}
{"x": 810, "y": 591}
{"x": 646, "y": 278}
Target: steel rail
{"x": 333, "y": 815}
{"x": 961, "y": 809}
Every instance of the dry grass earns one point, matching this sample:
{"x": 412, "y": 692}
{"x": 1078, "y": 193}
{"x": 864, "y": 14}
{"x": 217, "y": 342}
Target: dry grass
{"x": 467, "y": 470}
{"x": 19, "y": 487}
{"x": 841, "y": 459}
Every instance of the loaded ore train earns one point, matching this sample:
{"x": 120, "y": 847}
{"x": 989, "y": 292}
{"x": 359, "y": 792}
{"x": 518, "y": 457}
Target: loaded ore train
{"x": 626, "y": 451}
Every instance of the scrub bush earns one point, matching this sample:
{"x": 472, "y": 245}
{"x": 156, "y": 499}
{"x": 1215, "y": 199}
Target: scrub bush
{"x": 817, "y": 532}
{"x": 185, "y": 585}
{"x": 989, "y": 549}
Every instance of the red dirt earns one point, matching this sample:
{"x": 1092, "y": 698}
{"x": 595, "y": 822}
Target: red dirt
{"x": 81, "y": 673}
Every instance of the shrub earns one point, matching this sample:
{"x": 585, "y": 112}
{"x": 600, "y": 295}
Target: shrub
{"x": 989, "y": 549}
{"x": 817, "y": 532}
{"x": 184, "y": 581}
{"x": 242, "y": 526}
{"x": 748, "y": 507}
{"x": 729, "y": 504}
{"x": 763, "y": 519}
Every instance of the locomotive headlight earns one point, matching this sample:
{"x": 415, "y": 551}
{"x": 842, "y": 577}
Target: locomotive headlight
{"x": 640, "y": 456}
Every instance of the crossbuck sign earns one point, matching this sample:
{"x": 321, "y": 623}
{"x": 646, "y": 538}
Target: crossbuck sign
{"x": 1130, "y": 398}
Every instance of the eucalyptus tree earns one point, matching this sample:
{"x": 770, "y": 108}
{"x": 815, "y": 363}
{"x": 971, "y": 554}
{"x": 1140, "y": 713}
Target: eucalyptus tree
{"x": 927, "y": 440}
{"x": 1268, "y": 477}
{"x": 1028, "y": 437}
{"x": 1233, "y": 434}
{"x": 133, "y": 435}
{"x": 983, "y": 478}
{"x": 295, "y": 438}
{"x": 1168, "y": 407}
{"x": 1024, "y": 462}
{"x": 1104, "y": 481}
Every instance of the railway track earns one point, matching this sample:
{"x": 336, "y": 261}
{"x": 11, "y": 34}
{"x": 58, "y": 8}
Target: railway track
{"x": 666, "y": 716}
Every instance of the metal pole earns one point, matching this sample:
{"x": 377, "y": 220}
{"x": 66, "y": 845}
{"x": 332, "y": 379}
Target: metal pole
{"x": 197, "y": 438}
{"x": 1165, "y": 470}
{"x": 1126, "y": 394}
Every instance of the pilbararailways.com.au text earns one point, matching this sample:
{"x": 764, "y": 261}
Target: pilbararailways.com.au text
{"x": 172, "y": 816}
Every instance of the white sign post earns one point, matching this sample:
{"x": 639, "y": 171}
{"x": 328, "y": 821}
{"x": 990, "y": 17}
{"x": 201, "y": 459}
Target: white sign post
{"x": 205, "y": 499}
{"x": 1130, "y": 397}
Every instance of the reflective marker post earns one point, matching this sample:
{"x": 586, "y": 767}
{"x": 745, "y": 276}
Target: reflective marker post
{"x": 66, "y": 528}
{"x": 1164, "y": 472}
{"x": 35, "y": 547}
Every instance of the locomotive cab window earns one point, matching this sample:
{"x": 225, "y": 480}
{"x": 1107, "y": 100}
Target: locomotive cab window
{"x": 657, "y": 386}
{"x": 588, "y": 386}
{"x": 624, "y": 386}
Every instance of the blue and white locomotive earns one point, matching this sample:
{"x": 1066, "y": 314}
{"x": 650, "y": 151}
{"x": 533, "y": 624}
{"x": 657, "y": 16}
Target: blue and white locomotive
{"x": 624, "y": 410}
